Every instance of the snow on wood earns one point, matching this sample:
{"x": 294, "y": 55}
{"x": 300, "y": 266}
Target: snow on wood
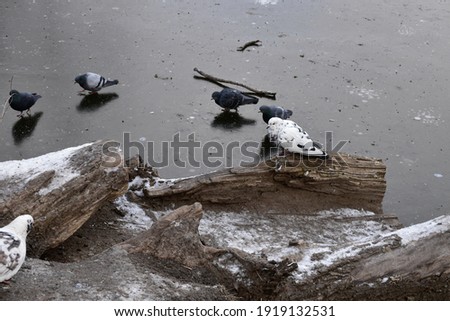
{"x": 61, "y": 190}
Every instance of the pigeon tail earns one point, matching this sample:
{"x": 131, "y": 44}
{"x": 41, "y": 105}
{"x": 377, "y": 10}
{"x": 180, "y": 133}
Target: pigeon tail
{"x": 111, "y": 83}
{"x": 249, "y": 100}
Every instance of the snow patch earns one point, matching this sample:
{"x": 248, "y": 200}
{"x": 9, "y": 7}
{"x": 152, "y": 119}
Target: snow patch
{"x": 416, "y": 232}
{"x": 31, "y": 168}
{"x": 135, "y": 217}
{"x": 346, "y": 212}
{"x": 313, "y": 242}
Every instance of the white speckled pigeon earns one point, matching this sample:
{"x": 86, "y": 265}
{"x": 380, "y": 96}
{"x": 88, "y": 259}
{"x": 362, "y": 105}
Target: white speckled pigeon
{"x": 13, "y": 245}
{"x": 293, "y": 138}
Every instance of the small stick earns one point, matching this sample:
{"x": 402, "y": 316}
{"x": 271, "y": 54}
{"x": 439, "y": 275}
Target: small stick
{"x": 4, "y": 109}
{"x": 10, "y": 83}
{"x": 261, "y": 93}
{"x": 256, "y": 43}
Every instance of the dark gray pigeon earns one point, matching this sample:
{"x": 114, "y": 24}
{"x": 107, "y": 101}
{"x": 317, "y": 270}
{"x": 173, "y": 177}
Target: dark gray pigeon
{"x": 93, "y": 82}
{"x": 274, "y": 111}
{"x": 230, "y": 98}
{"x": 22, "y": 101}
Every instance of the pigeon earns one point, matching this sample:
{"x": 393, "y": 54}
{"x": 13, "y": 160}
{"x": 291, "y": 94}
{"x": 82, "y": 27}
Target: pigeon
{"x": 13, "y": 245}
{"x": 291, "y": 137}
{"x": 276, "y": 123}
{"x": 230, "y": 98}
{"x": 94, "y": 82}
{"x": 22, "y": 101}
{"x": 274, "y": 111}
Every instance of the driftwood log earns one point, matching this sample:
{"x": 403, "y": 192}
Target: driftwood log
{"x": 257, "y": 236}
{"x": 171, "y": 261}
{"x": 300, "y": 187}
{"x": 59, "y": 210}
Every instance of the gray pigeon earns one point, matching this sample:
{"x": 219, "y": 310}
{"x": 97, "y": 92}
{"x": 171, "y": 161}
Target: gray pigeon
{"x": 274, "y": 111}
{"x": 22, "y": 101}
{"x": 230, "y": 98}
{"x": 13, "y": 247}
{"x": 94, "y": 82}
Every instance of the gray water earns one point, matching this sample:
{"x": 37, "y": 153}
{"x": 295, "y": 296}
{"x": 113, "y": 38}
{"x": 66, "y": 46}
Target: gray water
{"x": 375, "y": 74}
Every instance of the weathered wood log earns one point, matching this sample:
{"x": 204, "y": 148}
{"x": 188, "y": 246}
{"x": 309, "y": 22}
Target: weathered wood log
{"x": 175, "y": 240}
{"x": 409, "y": 264}
{"x": 173, "y": 260}
{"x": 301, "y": 186}
{"x": 60, "y": 190}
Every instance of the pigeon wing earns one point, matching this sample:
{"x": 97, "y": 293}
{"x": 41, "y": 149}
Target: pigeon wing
{"x": 94, "y": 81}
{"x": 11, "y": 257}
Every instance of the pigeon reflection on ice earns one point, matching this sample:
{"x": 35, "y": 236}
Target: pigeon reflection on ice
{"x": 24, "y": 127}
{"x": 91, "y": 103}
{"x": 231, "y": 120}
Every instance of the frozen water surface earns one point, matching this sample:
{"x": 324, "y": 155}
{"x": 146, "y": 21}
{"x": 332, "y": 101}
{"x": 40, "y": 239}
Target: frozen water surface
{"x": 378, "y": 70}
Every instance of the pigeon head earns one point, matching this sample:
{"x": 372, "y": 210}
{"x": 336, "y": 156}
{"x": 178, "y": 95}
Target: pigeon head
{"x": 216, "y": 96}
{"x": 13, "y": 92}
{"x": 264, "y": 109}
{"x": 22, "y": 225}
{"x": 81, "y": 79}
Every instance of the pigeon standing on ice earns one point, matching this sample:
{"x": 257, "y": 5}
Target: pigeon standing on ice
{"x": 274, "y": 111}
{"x": 230, "y": 98}
{"x": 94, "y": 82}
{"x": 22, "y": 101}
{"x": 13, "y": 245}
{"x": 293, "y": 138}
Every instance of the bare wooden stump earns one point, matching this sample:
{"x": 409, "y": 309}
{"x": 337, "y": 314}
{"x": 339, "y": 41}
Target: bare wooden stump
{"x": 175, "y": 241}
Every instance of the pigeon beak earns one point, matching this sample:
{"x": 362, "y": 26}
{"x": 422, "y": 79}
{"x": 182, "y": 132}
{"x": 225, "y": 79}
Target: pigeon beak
{"x": 267, "y": 127}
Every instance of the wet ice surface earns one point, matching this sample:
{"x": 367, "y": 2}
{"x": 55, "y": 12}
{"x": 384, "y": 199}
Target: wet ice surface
{"x": 375, "y": 74}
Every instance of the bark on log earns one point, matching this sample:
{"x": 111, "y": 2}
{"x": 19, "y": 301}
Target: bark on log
{"x": 175, "y": 241}
{"x": 410, "y": 263}
{"x": 60, "y": 190}
{"x": 334, "y": 255}
{"x": 301, "y": 186}
{"x": 171, "y": 262}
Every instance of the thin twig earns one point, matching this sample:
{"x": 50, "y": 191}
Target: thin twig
{"x": 256, "y": 43}
{"x": 219, "y": 81}
{"x": 4, "y": 109}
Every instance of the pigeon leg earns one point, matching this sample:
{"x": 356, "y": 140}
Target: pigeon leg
{"x": 20, "y": 115}
{"x": 28, "y": 112}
